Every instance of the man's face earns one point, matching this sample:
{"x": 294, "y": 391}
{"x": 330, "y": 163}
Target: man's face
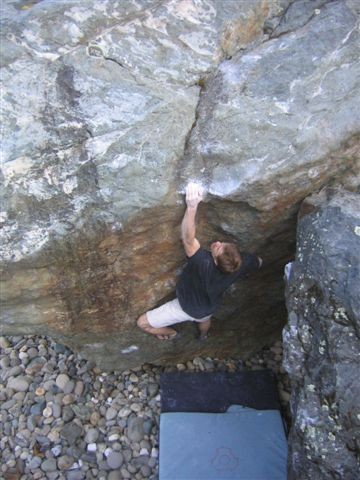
{"x": 216, "y": 249}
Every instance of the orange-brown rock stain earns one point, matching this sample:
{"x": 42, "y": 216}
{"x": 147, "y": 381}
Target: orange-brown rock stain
{"x": 106, "y": 280}
{"x": 241, "y": 32}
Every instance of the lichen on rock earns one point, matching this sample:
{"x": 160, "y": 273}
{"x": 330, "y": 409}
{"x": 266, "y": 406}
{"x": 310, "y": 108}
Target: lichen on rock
{"x": 322, "y": 339}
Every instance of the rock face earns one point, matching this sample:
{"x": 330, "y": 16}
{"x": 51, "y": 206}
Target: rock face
{"x": 322, "y": 339}
{"x": 110, "y": 108}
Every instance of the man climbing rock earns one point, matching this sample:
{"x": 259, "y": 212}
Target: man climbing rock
{"x": 203, "y": 281}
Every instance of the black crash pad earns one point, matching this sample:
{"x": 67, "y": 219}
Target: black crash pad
{"x": 214, "y": 392}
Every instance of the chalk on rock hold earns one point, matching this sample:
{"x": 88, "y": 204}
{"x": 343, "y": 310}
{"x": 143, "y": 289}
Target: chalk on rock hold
{"x": 287, "y": 270}
{"x": 195, "y": 187}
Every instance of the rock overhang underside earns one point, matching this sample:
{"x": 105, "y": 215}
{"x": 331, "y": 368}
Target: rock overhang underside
{"x": 110, "y": 108}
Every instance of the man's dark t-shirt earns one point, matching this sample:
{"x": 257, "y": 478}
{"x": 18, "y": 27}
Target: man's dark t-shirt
{"x": 201, "y": 285}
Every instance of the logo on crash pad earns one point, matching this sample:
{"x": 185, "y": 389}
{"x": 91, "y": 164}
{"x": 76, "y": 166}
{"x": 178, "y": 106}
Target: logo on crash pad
{"x": 224, "y": 460}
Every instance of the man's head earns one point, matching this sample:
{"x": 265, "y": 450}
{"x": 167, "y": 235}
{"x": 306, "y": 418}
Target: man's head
{"x": 226, "y": 256}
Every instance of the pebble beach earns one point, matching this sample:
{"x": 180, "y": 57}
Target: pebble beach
{"x": 62, "y": 418}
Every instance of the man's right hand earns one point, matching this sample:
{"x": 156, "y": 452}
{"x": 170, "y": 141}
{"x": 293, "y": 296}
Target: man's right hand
{"x": 194, "y": 194}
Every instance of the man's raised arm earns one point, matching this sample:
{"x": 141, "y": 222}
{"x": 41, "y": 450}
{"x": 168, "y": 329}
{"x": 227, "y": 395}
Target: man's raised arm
{"x": 194, "y": 195}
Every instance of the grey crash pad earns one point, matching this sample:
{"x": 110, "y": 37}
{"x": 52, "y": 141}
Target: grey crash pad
{"x": 246, "y": 445}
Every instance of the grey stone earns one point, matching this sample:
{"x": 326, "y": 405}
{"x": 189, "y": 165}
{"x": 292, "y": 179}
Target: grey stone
{"x": 115, "y": 460}
{"x": 33, "y": 352}
{"x": 12, "y": 372}
{"x": 23, "y": 438}
{"x": 135, "y": 429}
{"x": 32, "y": 422}
{"x": 4, "y": 363}
{"x": 7, "y": 429}
{"x": 56, "y": 451}
{"x": 146, "y": 471}
{"x": 65, "y": 462}
{"x": 111, "y": 413}
{"x": 4, "y": 343}
{"x": 147, "y": 425}
{"x": 68, "y": 399}
{"x": 75, "y": 451}
{"x": 19, "y": 396}
{"x": 34, "y": 463}
{"x": 82, "y": 412}
{"x": 62, "y": 380}
{"x": 38, "y": 407}
{"x": 56, "y": 410}
{"x": 91, "y": 435}
{"x": 67, "y": 413}
{"x": 48, "y": 465}
{"x": 75, "y": 475}
{"x": 94, "y": 418}
{"x": 125, "y": 473}
{"x": 69, "y": 387}
{"x": 114, "y": 475}
{"x": 152, "y": 462}
{"x": 59, "y": 348}
{"x": 71, "y": 432}
{"x": 140, "y": 461}
{"x": 49, "y": 385}
{"x": 145, "y": 444}
{"x": 42, "y": 440}
{"x": 103, "y": 465}
{"x": 321, "y": 341}
{"x": 79, "y": 388}
{"x": 7, "y": 405}
{"x": 19, "y": 384}
{"x": 153, "y": 389}
{"x": 52, "y": 475}
{"x": 35, "y": 366}
{"x": 127, "y": 454}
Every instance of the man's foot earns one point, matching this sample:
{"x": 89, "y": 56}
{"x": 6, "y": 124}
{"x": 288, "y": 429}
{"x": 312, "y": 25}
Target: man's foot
{"x": 163, "y": 333}
{"x": 167, "y": 337}
{"x": 203, "y": 337}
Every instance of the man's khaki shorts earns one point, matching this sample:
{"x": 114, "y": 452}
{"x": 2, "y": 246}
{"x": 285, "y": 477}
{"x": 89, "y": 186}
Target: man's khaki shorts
{"x": 170, "y": 313}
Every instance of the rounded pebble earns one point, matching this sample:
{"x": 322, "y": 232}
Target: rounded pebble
{"x": 19, "y": 384}
{"x": 115, "y": 460}
{"x": 62, "y": 380}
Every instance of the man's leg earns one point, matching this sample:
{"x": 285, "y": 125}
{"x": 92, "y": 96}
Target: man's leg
{"x": 204, "y": 328}
{"x": 162, "y": 333}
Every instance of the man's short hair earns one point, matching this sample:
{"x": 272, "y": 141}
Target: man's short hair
{"x": 230, "y": 259}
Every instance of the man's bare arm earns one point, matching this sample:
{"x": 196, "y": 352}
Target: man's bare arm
{"x": 194, "y": 195}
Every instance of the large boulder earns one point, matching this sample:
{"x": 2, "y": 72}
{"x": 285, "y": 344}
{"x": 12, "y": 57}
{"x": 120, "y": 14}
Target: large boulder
{"x": 109, "y": 108}
{"x": 322, "y": 339}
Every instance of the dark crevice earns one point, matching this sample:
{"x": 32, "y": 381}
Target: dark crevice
{"x": 274, "y": 33}
{"x": 115, "y": 61}
{"x": 201, "y": 83}
{"x": 89, "y": 132}
{"x": 271, "y": 32}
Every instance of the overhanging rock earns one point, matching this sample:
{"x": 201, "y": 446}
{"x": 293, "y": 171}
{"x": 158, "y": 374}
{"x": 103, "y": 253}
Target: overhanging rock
{"x": 110, "y": 109}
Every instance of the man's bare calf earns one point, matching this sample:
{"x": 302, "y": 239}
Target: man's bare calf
{"x": 204, "y": 329}
{"x": 163, "y": 333}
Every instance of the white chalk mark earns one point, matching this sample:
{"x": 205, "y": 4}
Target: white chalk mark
{"x": 130, "y": 349}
